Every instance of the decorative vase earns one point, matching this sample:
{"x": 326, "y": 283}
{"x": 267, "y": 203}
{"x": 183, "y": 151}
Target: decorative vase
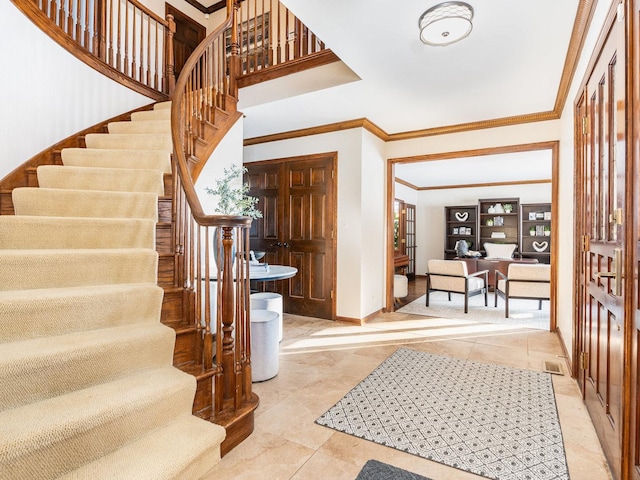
{"x": 218, "y": 247}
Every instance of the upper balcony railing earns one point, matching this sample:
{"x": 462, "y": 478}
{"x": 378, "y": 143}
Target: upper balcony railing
{"x": 268, "y": 34}
{"x": 123, "y": 34}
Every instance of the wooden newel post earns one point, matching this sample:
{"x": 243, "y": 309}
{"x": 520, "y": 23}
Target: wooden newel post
{"x": 170, "y": 64}
{"x": 234, "y": 60}
{"x": 228, "y": 312}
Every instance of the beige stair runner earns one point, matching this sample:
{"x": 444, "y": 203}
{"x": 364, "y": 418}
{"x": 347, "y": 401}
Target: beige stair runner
{"x": 87, "y": 386}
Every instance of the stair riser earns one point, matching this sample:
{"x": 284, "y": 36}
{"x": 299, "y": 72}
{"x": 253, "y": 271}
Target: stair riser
{"x": 184, "y": 349}
{"x": 203, "y": 400}
{"x": 60, "y": 311}
{"x": 31, "y": 232}
{"x": 84, "y": 203}
{"x": 172, "y": 306}
{"x": 128, "y": 159}
{"x": 140, "y": 127}
{"x": 102, "y": 179}
{"x": 164, "y": 238}
{"x": 130, "y": 142}
{"x": 53, "y": 270}
{"x": 78, "y": 361}
{"x": 160, "y": 114}
{"x": 70, "y": 445}
{"x": 165, "y": 210}
{"x": 166, "y": 270}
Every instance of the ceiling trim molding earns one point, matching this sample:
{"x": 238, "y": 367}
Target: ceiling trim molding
{"x": 476, "y": 152}
{"x": 584, "y": 16}
{"x": 213, "y": 8}
{"x": 475, "y": 185}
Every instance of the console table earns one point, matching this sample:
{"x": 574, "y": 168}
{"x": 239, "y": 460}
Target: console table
{"x": 500, "y": 264}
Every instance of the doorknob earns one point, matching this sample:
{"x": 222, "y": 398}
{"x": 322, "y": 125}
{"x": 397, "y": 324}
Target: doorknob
{"x": 616, "y": 274}
{"x": 279, "y": 244}
{"x": 286, "y": 245}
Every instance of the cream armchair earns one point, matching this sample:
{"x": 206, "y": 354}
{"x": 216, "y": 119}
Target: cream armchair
{"x": 451, "y": 276}
{"x": 523, "y": 281}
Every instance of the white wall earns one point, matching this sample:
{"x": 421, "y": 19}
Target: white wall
{"x": 228, "y": 152}
{"x": 48, "y": 94}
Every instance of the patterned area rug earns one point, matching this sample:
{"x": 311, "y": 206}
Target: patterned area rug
{"x": 522, "y": 313}
{"x": 375, "y": 470}
{"x": 494, "y": 421}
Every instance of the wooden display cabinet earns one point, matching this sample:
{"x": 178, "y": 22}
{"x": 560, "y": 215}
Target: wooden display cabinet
{"x": 461, "y": 223}
{"x": 535, "y": 239}
{"x": 499, "y": 226}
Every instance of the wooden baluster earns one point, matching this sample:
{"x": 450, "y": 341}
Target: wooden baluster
{"x": 287, "y": 55}
{"x": 286, "y": 34}
{"x": 125, "y": 60}
{"x": 118, "y": 49}
{"x": 134, "y": 52}
{"x": 148, "y": 80}
{"x": 141, "y": 76}
{"x": 228, "y": 344}
{"x": 87, "y": 22}
{"x": 155, "y": 70}
{"x": 170, "y": 64}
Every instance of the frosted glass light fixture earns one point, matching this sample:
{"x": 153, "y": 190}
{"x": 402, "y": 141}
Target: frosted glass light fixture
{"x": 446, "y": 23}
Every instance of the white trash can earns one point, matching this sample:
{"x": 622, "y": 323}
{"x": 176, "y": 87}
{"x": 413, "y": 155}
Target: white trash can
{"x": 269, "y": 301}
{"x": 265, "y": 348}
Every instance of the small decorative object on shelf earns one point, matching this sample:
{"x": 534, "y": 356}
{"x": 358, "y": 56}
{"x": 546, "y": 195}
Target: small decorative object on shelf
{"x": 540, "y": 246}
{"x": 532, "y": 231}
{"x": 547, "y": 215}
{"x": 498, "y": 221}
{"x": 489, "y": 222}
{"x": 462, "y": 216}
{"x": 508, "y": 208}
{"x": 547, "y": 231}
{"x": 455, "y": 230}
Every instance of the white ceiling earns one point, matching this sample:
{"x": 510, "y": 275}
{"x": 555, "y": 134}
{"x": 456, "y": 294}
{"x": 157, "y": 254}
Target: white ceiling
{"x": 510, "y": 64}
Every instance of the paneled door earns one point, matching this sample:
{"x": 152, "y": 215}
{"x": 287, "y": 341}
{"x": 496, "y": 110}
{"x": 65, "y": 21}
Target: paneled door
{"x": 297, "y": 198}
{"x": 600, "y": 116}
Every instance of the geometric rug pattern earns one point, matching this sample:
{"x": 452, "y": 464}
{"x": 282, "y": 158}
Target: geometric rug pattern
{"x": 522, "y": 313}
{"x": 494, "y": 421}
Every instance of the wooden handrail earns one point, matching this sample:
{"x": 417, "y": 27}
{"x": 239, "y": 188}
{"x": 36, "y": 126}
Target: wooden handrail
{"x": 204, "y": 96}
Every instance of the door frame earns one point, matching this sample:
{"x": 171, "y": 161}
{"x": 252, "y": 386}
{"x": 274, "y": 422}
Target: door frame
{"x": 552, "y": 146}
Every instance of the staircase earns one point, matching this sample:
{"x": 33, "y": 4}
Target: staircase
{"x": 87, "y": 383}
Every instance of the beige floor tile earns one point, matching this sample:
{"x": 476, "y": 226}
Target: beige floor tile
{"x": 320, "y": 361}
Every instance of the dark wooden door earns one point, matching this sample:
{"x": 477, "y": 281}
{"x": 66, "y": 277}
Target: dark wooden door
{"x": 188, "y": 36}
{"x": 601, "y": 301}
{"x": 297, "y": 198}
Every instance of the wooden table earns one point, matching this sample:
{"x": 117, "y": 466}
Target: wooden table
{"x": 500, "y": 264}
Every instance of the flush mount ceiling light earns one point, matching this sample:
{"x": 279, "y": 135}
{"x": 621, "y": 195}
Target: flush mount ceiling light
{"x": 446, "y": 23}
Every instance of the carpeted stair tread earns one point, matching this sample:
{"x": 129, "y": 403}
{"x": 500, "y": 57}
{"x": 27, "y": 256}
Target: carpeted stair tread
{"x": 28, "y": 269}
{"x": 121, "y": 158}
{"x": 79, "y": 360}
{"x": 84, "y": 203}
{"x": 185, "y": 449}
{"x": 51, "y": 437}
{"x": 156, "y": 114}
{"x": 56, "y": 311}
{"x": 162, "y": 105}
{"x": 115, "y": 141}
{"x": 34, "y": 232}
{"x": 142, "y": 126}
{"x": 97, "y": 178}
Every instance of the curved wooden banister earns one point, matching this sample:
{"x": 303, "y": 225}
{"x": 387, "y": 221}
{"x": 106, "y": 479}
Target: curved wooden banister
{"x": 203, "y": 101}
{"x": 145, "y": 66}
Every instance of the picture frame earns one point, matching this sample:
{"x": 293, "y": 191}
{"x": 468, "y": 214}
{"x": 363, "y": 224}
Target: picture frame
{"x": 455, "y": 230}
{"x": 254, "y": 44}
{"x": 532, "y": 215}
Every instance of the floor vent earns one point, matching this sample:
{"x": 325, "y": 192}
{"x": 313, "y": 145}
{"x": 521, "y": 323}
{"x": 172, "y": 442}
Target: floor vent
{"x": 552, "y": 367}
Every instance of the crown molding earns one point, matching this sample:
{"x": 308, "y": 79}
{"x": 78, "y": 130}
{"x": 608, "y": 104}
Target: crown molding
{"x": 584, "y": 16}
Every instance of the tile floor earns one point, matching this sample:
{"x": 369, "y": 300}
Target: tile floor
{"x": 321, "y": 360}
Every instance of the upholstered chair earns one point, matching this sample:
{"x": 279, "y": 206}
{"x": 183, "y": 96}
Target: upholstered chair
{"x": 524, "y": 282}
{"x": 451, "y": 276}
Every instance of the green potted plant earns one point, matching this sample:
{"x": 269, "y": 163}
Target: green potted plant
{"x": 547, "y": 231}
{"x": 508, "y": 208}
{"x": 532, "y": 231}
{"x": 233, "y": 200}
